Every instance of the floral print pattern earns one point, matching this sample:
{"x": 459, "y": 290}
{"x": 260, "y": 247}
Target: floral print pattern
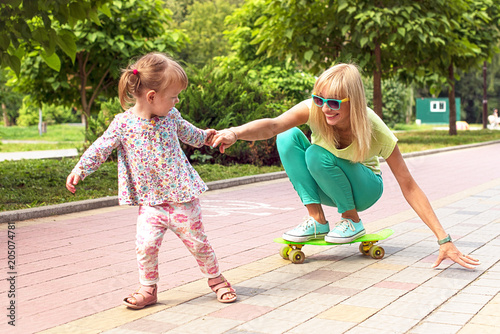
{"x": 152, "y": 168}
{"x": 184, "y": 219}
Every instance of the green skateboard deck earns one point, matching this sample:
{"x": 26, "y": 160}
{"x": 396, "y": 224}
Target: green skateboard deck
{"x": 292, "y": 251}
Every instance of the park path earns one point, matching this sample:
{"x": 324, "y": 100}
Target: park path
{"x": 72, "y": 271}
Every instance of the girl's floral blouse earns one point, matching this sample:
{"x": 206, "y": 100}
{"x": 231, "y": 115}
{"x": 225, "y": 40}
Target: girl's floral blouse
{"x": 152, "y": 168}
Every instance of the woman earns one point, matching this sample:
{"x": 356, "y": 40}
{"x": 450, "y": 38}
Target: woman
{"x": 340, "y": 166}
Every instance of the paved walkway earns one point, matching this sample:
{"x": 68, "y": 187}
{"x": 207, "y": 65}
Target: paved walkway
{"x": 48, "y": 154}
{"x": 73, "y": 270}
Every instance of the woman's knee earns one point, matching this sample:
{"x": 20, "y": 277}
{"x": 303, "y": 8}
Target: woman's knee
{"x": 318, "y": 160}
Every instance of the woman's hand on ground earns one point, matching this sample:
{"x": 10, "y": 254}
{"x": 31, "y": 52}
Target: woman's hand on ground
{"x": 450, "y": 251}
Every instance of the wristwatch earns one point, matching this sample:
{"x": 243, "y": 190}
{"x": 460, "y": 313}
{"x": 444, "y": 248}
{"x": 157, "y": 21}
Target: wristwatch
{"x": 445, "y": 240}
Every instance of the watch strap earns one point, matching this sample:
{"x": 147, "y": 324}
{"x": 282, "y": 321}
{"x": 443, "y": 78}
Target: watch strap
{"x": 445, "y": 240}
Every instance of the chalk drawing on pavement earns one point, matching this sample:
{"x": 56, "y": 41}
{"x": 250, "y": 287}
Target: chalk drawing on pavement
{"x": 218, "y": 208}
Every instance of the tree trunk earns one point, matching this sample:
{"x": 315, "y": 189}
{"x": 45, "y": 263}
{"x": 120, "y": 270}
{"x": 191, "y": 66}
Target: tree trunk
{"x": 6, "y": 121}
{"x": 453, "y": 107}
{"x": 84, "y": 120}
{"x": 377, "y": 83}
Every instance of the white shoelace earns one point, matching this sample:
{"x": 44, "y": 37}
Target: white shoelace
{"x": 306, "y": 223}
{"x": 345, "y": 224}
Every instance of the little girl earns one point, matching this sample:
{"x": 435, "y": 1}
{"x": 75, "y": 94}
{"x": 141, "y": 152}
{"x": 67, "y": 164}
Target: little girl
{"x": 154, "y": 173}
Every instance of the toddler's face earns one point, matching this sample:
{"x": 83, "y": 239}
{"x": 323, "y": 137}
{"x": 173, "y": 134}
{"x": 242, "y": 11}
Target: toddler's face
{"x": 167, "y": 99}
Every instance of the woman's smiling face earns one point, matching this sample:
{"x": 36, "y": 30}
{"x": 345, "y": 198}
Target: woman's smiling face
{"x": 338, "y": 118}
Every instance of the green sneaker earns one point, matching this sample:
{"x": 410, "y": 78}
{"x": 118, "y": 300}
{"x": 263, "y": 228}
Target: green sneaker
{"x": 309, "y": 229}
{"x": 345, "y": 231}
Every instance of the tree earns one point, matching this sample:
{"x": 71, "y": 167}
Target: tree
{"x": 135, "y": 27}
{"x": 42, "y": 25}
{"x": 381, "y": 36}
{"x": 10, "y": 100}
{"x": 471, "y": 40}
{"x": 205, "y": 24}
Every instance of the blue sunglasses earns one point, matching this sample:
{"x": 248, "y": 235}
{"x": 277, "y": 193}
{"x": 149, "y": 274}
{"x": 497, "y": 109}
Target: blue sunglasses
{"x": 333, "y": 104}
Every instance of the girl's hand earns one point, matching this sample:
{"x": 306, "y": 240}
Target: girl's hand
{"x": 450, "y": 251}
{"x": 225, "y": 138}
{"x": 210, "y": 137}
{"x": 72, "y": 181}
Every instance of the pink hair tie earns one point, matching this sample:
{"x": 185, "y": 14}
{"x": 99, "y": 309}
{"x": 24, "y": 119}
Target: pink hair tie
{"x": 135, "y": 71}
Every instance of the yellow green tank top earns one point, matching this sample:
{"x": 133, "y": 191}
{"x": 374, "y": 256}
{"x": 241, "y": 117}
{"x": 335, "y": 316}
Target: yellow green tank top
{"x": 382, "y": 143}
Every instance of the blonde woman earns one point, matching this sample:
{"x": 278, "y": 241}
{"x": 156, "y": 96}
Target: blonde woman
{"x": 339, "y": 167}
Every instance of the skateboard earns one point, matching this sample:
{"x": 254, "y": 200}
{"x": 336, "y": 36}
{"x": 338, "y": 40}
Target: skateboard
{"x": 293, "y": 250}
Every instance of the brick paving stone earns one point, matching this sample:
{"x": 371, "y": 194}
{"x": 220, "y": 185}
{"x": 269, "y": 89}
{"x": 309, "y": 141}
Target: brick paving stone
{"x": 73, "y": 258}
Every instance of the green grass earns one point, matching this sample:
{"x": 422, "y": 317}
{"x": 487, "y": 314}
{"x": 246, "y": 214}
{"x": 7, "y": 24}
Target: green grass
{"x": 32, "y": 183}
{"x": 414, "y": 141}
{"x": 55, "y": 133}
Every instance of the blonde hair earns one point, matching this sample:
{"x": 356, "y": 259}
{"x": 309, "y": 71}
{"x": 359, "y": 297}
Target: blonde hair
{"x": 153, "y": 71}
{"x": 344, "y": 80}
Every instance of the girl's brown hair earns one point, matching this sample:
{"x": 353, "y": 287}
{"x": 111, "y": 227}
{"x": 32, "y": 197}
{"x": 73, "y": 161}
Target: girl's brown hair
{"x": 344, "y": 80}
{"x": 153, "y": 71}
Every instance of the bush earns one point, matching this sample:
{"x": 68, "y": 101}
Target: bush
{"x": 219, "y": 97}
{"x": 52, "y": 114}
{"x": 397, "y": 100}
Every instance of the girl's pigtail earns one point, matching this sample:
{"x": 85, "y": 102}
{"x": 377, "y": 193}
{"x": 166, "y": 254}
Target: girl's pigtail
{"x": 128, "y": 87}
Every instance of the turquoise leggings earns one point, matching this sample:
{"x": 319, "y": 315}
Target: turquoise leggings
{"x": 319, "y": 177}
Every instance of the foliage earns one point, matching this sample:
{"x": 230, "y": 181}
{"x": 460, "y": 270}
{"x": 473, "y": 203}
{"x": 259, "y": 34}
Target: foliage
{"x": 134, "y": 27}
{"x": 472, "y": 40}
{"x": 220, "y": 96}
{"x": 44, "y": 26}
{"x": 29, "y": 114}
{"x": 204, "y": 24}
{"x": 10, "y": 100}
{"x": 384, "y": 36}
{"x": 222, "y": 99}
{"x": 398, "y": 100}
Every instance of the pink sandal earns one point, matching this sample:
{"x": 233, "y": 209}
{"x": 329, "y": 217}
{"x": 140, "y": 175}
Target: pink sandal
{"x": 221, "y": 287}
{"x": 146, "y": 295}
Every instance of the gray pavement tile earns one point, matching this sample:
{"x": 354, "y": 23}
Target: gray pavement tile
{"x": 206, "y": 324}
{"x": 367, "y": 330}
{"x": 248, "y": 291}
{"x": 326, "y": 326}
{"x": 148, "y": 326}
{"x": 468, "y": 213}
{"x": 262, "y": 325}
{"x": 430, "y": 327}
{"x": 401, "y": 308}
{"x": 481, "y": 290}
{"x": 171, "y": 317}
{"x": 391, "y": 323}
{"x": 460, "y": 273}
{"x": 468, "y": 244}
{"x": 451, "y": 318}
{"x": 460, "y": 307}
